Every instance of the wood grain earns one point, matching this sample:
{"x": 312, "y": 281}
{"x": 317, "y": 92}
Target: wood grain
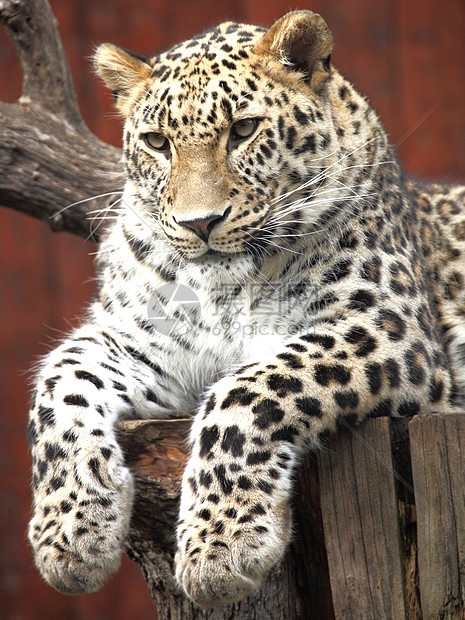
{"x": 358, "y": 500}
{"x": 438, "y": 465}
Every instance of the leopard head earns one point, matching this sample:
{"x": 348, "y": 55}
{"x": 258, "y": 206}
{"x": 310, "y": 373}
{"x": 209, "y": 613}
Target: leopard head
{"x": 223, "y": 133}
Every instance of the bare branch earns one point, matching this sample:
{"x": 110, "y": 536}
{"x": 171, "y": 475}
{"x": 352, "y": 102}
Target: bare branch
{"x": 46, "y": 78}
{"x": 48, "y": 157}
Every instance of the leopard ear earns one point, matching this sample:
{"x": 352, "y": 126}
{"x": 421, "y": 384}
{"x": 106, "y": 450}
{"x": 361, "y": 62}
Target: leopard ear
{"x": 120, "y": 70}
{"x": 300, "y": 40}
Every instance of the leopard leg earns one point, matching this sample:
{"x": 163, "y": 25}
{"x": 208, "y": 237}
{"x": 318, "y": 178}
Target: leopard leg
{"x": 82, "y": 489}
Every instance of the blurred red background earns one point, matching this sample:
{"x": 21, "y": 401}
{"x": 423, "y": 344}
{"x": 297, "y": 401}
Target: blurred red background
{"x": 407, "y": 57}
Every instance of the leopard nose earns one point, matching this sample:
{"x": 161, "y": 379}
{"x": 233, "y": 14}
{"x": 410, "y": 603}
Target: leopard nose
{"x": 203, "y": 226}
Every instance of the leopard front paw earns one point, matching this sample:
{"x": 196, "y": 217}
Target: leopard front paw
{"x": 78, "y": 530}
{"x": 224, "y": 552}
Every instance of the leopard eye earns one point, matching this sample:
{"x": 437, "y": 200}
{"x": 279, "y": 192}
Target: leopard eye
{"x": 156, "y": 141}
{"x": 243, "y": 129}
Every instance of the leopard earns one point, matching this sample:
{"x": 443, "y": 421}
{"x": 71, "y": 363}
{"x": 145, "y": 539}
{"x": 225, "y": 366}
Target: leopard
{"x": 325, "y": 288}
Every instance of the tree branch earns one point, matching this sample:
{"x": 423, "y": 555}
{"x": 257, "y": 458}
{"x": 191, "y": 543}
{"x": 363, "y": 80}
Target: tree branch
{"x": 46, "y": 76}
{"x": 48, "y": 157}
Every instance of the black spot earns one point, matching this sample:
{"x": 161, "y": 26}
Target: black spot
{"x": 424, "y": 320}
{"x": 69, "y": 436}
{"x": 119, "y": 386}
{"x": 226, "y": 484}
{"x": 54, "y": 451}
{"x": 88, "y": 376}
{"x": 94, "y": 466}
{"x": 371, "y": 270}
{"x": 361, "y": 300}
{"x": 67, "y": 362}
{"x": 267, "y": 412}
{"x": 436, "y": 390}
{"x": 31, "y": 433}
{"x": 266, "y": 151}
{"x": 210, "y": 405}
{"x": 139, "y": 248}
{"x": 286, "y": 433}
{"x": 51, "y": 382}
{"x": 291, "y": 135}
{"x": 392, "y": 323}
{"x": 106, "y": 453}
{"x": 111, "y": 368}
{"x": 337, "y": 272}
{"x": 359, "y": 336}
{"x": 231, "y": 513}
{"x": 322, "y": 303}
{"x": 245, "y": 519}
{"x": 205, "y": 479}
{"x": 347, "y": 399}
{"x": 309, "y": 144}
{"x": 57, "y": 482}
{"x": 258, "y": 510}
{"x": 46, "y": 415}
{"x": 208, "y": 438}
{"x": 324, "y": 374}
{"x": 348, "y": 241}
{"x": 233, "y": 441}
{"x": 137, "y": 355}
{"x": 300, "y": 116}
{"x": 300, "y": 348}
{"x": 266, "y": 487}
{"x": 65, "y": 507}
{"x": 244, "y": 483}
{"x": 105, "y": 502}
{"x": 392, "y": 372}
{"x": 239, "y": 396}
{"x": 255, "y": 458}
{"x": 327, "y": 342}
{"x": 324, "y": 436}
{"x": 291, "y": 360}
{"x": 408, "y": 408}
{"x": 309, "y": 406}
{"x": 205, "y": 514}
{"x": 225, "y": 104}
{"x": 152, "y": 397}
{"x": 374, "y": 373}
{"x": 416, "y": 373}
{"x": 382, "y": 409}
{"x": 42, "y": 467}
{"x": 228, "y": 64}
{"x": 283, "y": 385}
{"x": 76, "y": 399}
